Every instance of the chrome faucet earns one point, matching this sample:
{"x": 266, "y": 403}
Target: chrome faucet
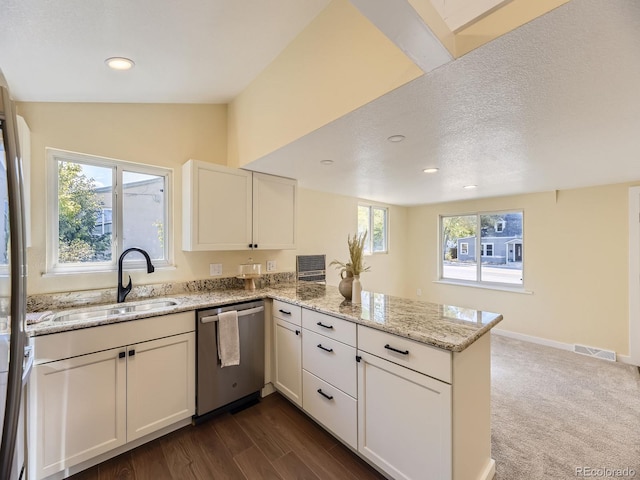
{"x": 124, "y": 291}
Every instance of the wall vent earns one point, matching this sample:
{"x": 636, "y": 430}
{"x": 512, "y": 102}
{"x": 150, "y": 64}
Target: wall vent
{"x": 595, "y": 352}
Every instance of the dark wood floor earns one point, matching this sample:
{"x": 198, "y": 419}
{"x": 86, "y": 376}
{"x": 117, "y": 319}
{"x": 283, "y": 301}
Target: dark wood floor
{"x": 270, "y": 440}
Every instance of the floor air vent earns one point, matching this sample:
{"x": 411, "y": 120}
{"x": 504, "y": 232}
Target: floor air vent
{"x": 595, "y": 352}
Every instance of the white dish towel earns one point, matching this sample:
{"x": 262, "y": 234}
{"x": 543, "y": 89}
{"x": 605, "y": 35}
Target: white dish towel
{"x": 228, "y": 339}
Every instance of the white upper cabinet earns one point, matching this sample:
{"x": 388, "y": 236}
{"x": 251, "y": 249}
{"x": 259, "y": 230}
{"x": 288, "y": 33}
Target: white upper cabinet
{"x": 216, "y": 207}
{"x": 274, "y": 212}
{"x": 232, "y": 209}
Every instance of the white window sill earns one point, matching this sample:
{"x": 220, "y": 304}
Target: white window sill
{"x": 57, "y": 273}
{"x": 500, "y": 288}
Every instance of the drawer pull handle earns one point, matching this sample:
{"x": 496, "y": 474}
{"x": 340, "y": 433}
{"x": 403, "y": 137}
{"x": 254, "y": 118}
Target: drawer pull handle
{"x": 325, "y": 348}
{"x": 285, "y": 312}
{"x": 324, "y": 326}
{"x": 121, "y": 355}
{"x": 328, "y": 397}
{"x": 132, "y": 353}
{"x": 403, "y": 352}
{"x": 297, "y": 332}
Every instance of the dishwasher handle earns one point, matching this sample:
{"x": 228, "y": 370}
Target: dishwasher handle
{"x": 241, "y": 313}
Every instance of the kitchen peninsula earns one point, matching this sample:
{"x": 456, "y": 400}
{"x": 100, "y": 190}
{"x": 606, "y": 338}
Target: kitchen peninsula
{"x": 404, "y": 383}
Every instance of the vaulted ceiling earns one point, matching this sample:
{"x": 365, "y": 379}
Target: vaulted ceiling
{"x": 549, "y": 105}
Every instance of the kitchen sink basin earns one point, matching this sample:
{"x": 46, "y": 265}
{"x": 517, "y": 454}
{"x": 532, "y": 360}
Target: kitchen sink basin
{"x": 108, "y": 311}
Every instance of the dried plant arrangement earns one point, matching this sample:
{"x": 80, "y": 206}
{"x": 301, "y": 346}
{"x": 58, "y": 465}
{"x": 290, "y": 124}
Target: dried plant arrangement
{"x": 356, "y": 254}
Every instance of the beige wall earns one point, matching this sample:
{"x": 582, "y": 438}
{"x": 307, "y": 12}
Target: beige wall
{"x": 163, "y": 135}
{"x": 576, "y": 265}
{"x": 337, "y": 64}
{"x": 325, "y": 222}
{"x": 575, "y": 246}
{"x": 167, "y": 136}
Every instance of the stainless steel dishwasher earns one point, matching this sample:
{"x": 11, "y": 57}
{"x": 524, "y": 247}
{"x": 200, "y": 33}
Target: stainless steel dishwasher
{"x": 219, "y": 387}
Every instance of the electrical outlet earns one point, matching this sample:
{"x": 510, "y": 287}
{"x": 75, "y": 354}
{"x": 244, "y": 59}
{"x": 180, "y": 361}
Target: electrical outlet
{"x": 215, "y": 269}
{"x": 271, "y": 265}
{"x": 419, "y": 292}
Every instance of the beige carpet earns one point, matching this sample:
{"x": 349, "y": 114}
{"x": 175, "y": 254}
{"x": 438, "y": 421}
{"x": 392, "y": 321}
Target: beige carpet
{"x": 554, "y": 412}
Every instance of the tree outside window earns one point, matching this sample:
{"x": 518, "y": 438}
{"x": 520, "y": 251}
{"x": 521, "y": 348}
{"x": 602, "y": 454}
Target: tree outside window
{"x": 374, "y": 221}
{"x": 103, "y": 207}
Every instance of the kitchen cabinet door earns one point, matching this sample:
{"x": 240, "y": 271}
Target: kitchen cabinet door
{"x": 80, "y": 409}
{"x": 288, "y": 360}
{"x": 160, "y": 384}
{"x": 232, "y": 209}
{"x": 404, "y": 420}
{"x": 217, "y": 209}
{"x": 274, "y": 212}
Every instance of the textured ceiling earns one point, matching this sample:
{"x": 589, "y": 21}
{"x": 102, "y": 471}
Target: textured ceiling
{"x": 188, "y": 51}
{"x": 554, "y": 104}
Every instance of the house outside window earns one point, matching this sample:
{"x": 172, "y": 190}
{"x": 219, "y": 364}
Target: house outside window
{"x": 99, "y": 207}
{"x": 375, "y": 221}
{"x": 497, "y": 236}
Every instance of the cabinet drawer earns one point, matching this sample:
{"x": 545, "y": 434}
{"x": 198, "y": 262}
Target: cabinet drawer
{"x": 331, "y": 407}
{"x": 332, "y": 361}
{"x": 73, "y": 343}
{"x": 417, "y": 356}
{"x": 336, "y": 328}
{"x": 288, "y": 312}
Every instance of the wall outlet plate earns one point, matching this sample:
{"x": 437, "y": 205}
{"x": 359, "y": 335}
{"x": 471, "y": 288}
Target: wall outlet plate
{"x": 215, "y": 269}
{"x": 271, "y": 265}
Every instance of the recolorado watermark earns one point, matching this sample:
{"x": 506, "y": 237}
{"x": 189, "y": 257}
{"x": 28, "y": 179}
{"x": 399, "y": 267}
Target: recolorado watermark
{"x": 605, "y": 472}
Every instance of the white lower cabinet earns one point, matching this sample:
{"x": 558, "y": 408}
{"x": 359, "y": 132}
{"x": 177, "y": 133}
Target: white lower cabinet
{"x": 331, "y": 407}
{"x": 287, "y": 374}
{"x": 330, "y": 360}
{"x": 329, "y": 386}
{"x": 81, "y": 409}
{"x": 404, "y": 420}
{"x": 90, "y": 403}
{"x": 160, "y": 384}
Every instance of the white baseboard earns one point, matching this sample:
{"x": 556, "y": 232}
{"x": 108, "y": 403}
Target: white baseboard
{"x": 490, "y": 471}
{"x": 532, "y": 339}
{"x": 551, "y": 343}
{"x": 626, "y": 359}
{"x": 268, "y": 389}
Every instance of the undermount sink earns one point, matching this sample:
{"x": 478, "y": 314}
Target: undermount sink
{"x": 107, "y": 311}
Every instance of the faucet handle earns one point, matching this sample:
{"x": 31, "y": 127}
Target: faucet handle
{"x": 127, "y": 289}
{"x": 124, "y": 291}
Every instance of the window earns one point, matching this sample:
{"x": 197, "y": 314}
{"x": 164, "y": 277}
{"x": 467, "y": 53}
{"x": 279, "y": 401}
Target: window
{"x": 99, "y": 207}
{"x": 487, "y": 250}
{"x": 498, "y": 237}
{"x": 374, "y": 219}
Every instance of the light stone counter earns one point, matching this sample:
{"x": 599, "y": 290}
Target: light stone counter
{"x": 444, "y": 326}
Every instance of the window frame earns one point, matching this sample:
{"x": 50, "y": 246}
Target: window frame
{"x": 484, "y": 247}
{"x": 53, "y": 156}
{"x": 479, "y": 249}
{"x": 369, "y": 242}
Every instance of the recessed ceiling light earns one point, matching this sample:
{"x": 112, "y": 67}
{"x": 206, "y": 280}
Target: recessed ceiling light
{"x": 326, "y": 162}
{"x": 396, "y": 138}
{"x": 470, "y": 187}
{"x": 430, "y": 170}
{"x": 119, "y": 63}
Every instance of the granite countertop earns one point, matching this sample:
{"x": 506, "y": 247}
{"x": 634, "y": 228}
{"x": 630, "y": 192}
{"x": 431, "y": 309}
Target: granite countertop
{"x": 444, "y": 326}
